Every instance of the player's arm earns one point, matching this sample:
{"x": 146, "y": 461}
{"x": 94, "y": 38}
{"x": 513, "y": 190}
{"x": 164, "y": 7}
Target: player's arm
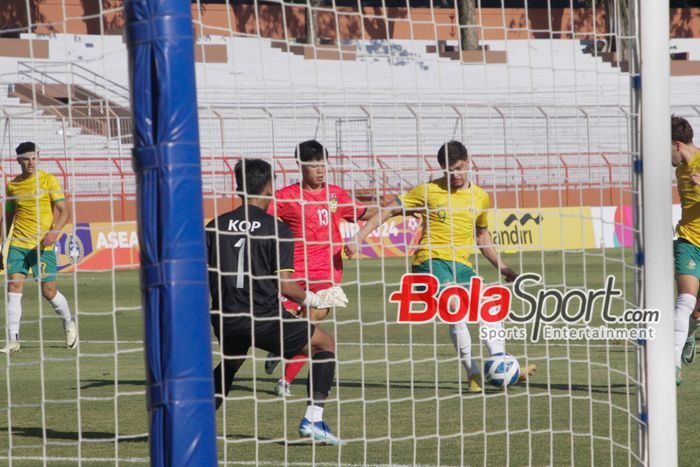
{"x": 285, "y": 246}
{"x": 5, "y": 233}
{"x": 485, "y": 244}
{"x": 10, "y": 207}
{"x": 368, "y": 214}
{"x": 61, "y": 216}
{"x": 352, "y": 210}
{"x": 380, "y": 216}
{"x": 290, "y": 289}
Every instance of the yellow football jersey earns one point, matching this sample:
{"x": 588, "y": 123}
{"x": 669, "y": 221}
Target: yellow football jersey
{"x": 689, "y": 225}
{"x": 32, "y": 200}
{"x": 449, "y": 220}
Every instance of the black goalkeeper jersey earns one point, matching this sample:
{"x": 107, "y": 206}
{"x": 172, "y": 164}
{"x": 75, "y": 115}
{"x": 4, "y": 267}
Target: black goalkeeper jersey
{"x": 246, "y": 249}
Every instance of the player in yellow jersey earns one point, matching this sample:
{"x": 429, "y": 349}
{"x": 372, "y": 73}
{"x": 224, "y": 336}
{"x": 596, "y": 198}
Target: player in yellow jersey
{"x": 454, "y": 213}
{"x": 37, "y": 209}
{"x": 686, "y": 249}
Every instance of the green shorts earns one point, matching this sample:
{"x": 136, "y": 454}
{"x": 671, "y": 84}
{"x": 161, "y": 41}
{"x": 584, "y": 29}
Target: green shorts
{"x": 447, "y": 272}
{"x": 21, "y": 260}
{"x": 686, "y": 257}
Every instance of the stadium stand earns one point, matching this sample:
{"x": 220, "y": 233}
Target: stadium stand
{"x": 85, "y": 108}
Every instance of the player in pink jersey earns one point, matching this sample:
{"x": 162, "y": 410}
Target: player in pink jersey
{"x": 314, "y": 211}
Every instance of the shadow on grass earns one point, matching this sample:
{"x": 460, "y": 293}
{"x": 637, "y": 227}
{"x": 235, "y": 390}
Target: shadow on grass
{"x": 395, "y": 384}
{"x": 300, "y": 383}
{"x": 263, "y": 385}
{"x": 300, "y": 442}
{"x": 584, "y": 388}
{"x": 37, "y": 432}
{"x": 246, "y": 384}
{"x": 100, "y": 383}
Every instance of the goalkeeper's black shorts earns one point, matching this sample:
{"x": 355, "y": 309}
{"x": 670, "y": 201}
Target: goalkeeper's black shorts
{"x": 286, "y": 336}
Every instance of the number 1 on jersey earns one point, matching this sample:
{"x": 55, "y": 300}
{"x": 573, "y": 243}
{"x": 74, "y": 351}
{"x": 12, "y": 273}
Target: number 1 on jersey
{"x": 241, "y": 257}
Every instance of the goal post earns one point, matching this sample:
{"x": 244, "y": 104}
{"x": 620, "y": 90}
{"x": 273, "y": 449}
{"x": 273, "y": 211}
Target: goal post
{"x": 657, "y": 251}
{"x": 175, "y": 294}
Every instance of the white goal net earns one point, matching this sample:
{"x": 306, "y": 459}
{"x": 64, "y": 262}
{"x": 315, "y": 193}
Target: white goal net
{"x": 543, "y": 98}
{"x": 545, "y": 109}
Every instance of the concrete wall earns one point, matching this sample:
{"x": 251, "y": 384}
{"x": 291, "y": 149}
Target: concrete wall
{"x": 101, "y": 211}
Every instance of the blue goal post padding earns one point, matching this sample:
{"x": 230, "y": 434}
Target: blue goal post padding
{"x": 180, "y": 391}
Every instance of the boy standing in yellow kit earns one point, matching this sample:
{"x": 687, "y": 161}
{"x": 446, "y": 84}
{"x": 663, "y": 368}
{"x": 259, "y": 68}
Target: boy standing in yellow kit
{"x": 38, "y": 210}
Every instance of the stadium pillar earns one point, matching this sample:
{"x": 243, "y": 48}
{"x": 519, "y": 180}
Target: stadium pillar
{"x": 658, "y": 252}
{"x": 180, "y": 392}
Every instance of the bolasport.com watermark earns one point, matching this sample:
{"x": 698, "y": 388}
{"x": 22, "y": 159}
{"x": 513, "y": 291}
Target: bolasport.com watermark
{"x": 551, "y": 313}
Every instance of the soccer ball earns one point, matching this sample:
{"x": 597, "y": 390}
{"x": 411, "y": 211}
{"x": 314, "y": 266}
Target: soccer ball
{"x": 501, "y": 370}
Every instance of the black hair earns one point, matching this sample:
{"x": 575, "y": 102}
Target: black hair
{"x": 309, "y": 151}
{"x": 681, "y": 131}
{"x": 258, "y": 174}
{"x": 451, "y": 152}
{"x": 25, "y": 147}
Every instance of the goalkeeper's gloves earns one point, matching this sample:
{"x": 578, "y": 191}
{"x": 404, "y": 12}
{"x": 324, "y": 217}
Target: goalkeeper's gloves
{"x": 326, "y": 298}
{"x": 335, "y": 296}
{"x": 311, "y": 300}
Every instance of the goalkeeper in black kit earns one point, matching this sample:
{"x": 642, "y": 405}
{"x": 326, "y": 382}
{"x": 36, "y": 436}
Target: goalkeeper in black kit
{"x": 251, "y": 258}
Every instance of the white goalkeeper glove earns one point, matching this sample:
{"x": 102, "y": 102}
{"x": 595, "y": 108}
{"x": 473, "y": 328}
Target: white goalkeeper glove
{"x": 334, "y": 296}
{"x": 312, "y": 301}
{"x": 326, "y": 298}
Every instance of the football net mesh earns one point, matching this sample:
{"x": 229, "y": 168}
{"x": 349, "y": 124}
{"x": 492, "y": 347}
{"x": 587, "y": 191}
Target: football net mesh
{"x": 541, "y": 97}
{"x": 81, "y": 406}
{"x": 546, "y": 111}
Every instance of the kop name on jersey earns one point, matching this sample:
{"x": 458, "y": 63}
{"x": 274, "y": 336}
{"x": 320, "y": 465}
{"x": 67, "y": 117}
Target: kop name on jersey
{"x": 243, "y": 225}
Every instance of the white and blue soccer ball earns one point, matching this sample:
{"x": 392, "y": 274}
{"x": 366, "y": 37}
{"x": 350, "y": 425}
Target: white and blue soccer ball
{"x": 501, "y": 370}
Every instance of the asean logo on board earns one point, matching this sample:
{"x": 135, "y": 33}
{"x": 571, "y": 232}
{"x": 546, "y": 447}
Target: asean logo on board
{"x": 74, "y": 249}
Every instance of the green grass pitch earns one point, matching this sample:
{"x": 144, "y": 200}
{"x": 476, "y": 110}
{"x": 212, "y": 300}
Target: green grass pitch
{"x": 399, "y": 396}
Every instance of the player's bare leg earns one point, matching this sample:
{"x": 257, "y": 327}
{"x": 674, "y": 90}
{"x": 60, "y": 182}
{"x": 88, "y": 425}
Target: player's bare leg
{"x": 316, "y": 314}
{"x": 16, "y": 283}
